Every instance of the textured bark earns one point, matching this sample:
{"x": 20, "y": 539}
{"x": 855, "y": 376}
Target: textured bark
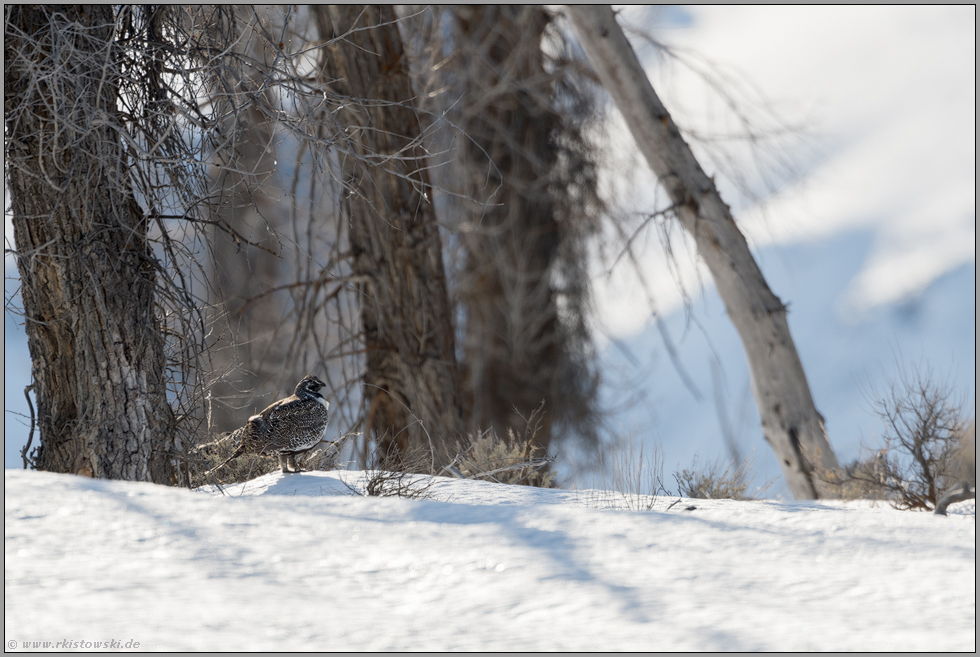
{"x": 790, "y": 421}
{"x": 410, "y": 381}
{"x": 960, "y": 493}
{"x": 512, "y": 340}
{"x": 87, "y": 271}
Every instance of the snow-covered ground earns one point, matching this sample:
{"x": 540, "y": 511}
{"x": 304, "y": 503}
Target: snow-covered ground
{"x": 297, "y": 562}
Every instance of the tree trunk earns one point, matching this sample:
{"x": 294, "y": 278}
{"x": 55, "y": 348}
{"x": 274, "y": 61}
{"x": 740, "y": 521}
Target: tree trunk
{"x": 790, "y": 422}
{"x": 87, "y": 270}
{"x": 410, "y": 381}
{"x": 510, "y": 232}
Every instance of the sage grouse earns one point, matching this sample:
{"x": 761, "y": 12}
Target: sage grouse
{"x": 291, "y": 426}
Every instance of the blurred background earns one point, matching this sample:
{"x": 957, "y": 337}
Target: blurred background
{"x": 844, "y": 140}
{"x": 872, "y": 244}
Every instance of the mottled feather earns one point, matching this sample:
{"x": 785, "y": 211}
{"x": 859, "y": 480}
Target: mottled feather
{"x": 286, "y": 428}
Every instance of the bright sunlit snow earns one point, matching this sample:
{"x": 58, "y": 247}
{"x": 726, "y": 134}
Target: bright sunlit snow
{"x": 295, "y": 562}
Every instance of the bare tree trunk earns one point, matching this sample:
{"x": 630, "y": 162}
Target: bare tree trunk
{"x": 410, "y": 382}
{"x": 87, "y": 271}
{"x": 524, "y": 208}
{"x": 512, "y": 343}
{"x": 790, "y": 422}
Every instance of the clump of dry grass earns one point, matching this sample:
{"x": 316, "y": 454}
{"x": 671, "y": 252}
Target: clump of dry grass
{"x": 404, "y": 482}
{"x": 207, "y": 457}
{"x": 718, "y": 480}
{"x": 504, "y": 461}
{"x": 631, "y": 476}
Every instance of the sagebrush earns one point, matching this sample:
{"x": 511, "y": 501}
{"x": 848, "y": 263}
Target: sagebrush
{"x": 718, "y": 480}
{"x": 927, "y": 445}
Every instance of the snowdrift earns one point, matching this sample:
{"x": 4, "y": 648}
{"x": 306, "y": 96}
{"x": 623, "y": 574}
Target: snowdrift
{"x": 298, "y": 562}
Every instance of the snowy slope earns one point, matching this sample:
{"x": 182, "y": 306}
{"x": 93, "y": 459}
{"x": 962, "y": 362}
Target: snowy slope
{"x": 296, "y": 562}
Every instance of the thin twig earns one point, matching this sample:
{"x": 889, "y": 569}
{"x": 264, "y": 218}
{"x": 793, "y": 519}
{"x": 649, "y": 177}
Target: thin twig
{"x": 30, "y": 436}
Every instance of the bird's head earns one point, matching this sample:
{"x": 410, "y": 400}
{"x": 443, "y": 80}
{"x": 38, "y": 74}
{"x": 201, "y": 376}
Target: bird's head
{"x": 309, "y": 385}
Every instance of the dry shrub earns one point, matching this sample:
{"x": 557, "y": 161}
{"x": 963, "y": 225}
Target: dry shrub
{"x": 213, "y": 454}
{"x": 325, "y": 456}
{"x": 511, "y": 460}
{"x": 504, "y": 461}
{"x": 405, "y": 482}
{"x": 859, "y": 480}
{"x": 927, "y": 448}
{"x": 484, "y": 456}
{"x": 637, "y": 479}
{"x": 632, "y": 476}
{"x": 718, "y": 481}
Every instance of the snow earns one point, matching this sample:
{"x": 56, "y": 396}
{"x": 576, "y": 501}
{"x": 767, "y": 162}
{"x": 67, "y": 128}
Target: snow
{"x": 296, "y": 562}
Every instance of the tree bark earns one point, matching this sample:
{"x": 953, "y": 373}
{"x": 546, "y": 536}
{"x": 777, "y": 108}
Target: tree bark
{"x": 87, "y": 270}
{"x": 960, "y": 493}
{"x": 790, "y": 422}
{"x": 410, "y": 381}
{"x": 510, "y": 231}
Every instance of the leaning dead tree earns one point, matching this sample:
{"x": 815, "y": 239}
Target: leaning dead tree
{"x": 86, "y": 265}
{"x": 961, "y": 493}
{"x": 790, "y": 421}
{"x": 410, "y": 381}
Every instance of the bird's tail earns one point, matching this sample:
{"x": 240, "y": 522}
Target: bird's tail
{"x": 238, "y": 452}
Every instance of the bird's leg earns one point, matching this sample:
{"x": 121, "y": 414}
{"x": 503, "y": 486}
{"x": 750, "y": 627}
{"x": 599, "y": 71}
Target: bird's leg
{"x": 288, "y": 463}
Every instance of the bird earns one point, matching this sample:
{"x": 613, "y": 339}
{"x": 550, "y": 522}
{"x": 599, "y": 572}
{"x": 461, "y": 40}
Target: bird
{"x": 289, "y": 427}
